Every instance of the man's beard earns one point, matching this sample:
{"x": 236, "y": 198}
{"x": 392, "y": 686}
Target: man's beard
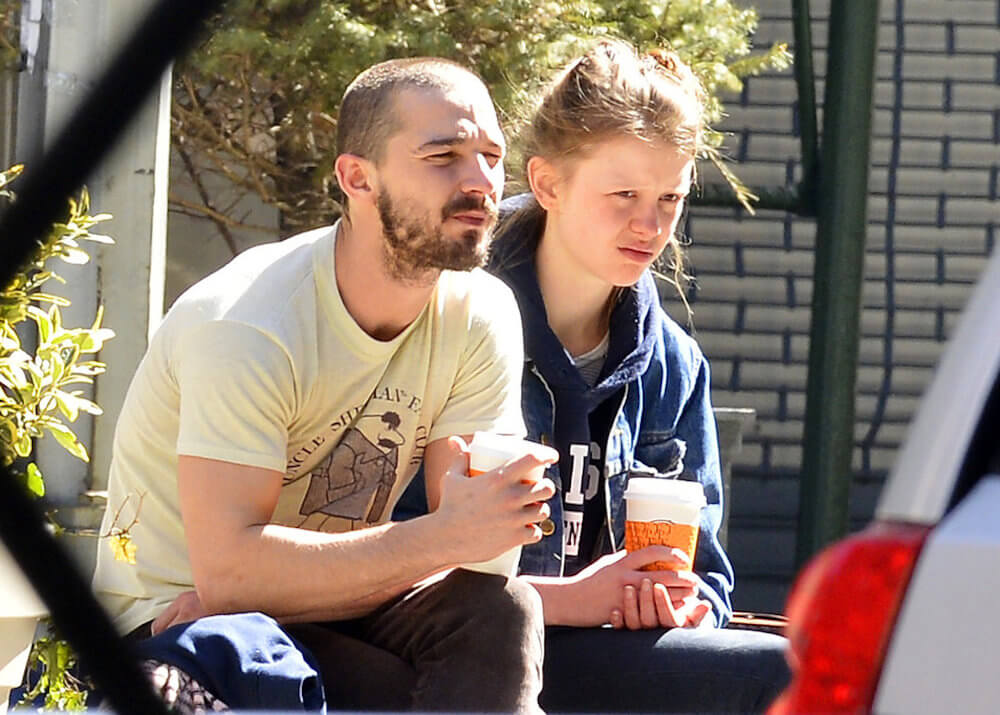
{"x": 414, "y": 246}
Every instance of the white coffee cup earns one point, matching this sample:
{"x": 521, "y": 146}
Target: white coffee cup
{"x": 488, "y": 451}
{"x": 665, "y": 512}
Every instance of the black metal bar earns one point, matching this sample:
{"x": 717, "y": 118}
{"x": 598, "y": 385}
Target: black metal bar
{"x": 42, "y": 194}
{"x": 77, "y": 615}
{"x": 805, "y": 82}
{"x": 837, "y": 277}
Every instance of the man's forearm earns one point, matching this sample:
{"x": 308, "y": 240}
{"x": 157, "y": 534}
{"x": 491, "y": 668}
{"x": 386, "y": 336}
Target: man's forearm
{"x": 296, "y": 575}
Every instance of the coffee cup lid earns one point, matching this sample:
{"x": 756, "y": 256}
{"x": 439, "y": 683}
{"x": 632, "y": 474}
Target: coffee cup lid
{"x": 500, "y": 446}
{"x": 670, "y": 489}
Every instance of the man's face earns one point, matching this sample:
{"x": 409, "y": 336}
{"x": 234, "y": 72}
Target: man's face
{"x": 440, "y": 180}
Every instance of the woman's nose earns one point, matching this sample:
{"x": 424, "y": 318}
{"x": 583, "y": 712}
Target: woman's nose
{"x": 647, "y": 223}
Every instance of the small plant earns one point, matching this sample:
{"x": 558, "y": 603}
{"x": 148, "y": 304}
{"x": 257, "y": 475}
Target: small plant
{"x": 53, "y": 659}
{"x": 38, "y": 390}
{"x": 40, "y": 395}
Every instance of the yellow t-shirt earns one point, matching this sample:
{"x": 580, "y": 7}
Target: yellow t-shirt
{"x": 261, "y": 364}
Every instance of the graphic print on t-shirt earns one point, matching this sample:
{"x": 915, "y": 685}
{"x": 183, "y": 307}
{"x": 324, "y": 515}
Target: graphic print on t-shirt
{"x": 355, "y": 481}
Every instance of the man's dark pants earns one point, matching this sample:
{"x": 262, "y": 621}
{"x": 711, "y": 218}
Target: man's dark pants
{"x": 466, "y": 642}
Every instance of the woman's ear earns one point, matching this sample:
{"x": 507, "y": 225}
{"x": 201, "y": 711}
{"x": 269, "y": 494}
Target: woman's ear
{"x": 354, "y": 175}
{"x": 545, "y": 181}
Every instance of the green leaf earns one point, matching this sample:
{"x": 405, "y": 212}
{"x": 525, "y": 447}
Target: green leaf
{"x": 74, "y": 256}
{"x": 64, "y": 435}
{"x": 89, "y": 367}
{"x": 22, "y": 445}
{"x": 99, "y": 238}
{"x": 91, "y": 341}
{"x": 10, "y": 174}
{"x": 69, "y": 404}
{"x": 44, "y": 322}
{"x": 34, "y": 482}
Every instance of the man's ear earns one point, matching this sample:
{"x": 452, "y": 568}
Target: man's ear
{"x": 355, "y": 175}
{"x": 545, "y": 181}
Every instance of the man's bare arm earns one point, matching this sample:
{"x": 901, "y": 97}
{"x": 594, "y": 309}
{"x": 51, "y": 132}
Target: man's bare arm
{"x": 241, "y": 562}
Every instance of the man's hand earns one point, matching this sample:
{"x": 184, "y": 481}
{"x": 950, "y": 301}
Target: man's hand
{"x": 484, "y": 516}
{"x": 183, "y": 609}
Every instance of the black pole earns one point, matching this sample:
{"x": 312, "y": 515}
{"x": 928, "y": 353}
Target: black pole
{"x": 74, "y": 610}
{"x": 838, "y": 275}
{"x": 42, "y": 194}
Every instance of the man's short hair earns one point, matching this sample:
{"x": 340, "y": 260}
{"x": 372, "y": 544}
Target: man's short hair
{"x": 367, "y": 113}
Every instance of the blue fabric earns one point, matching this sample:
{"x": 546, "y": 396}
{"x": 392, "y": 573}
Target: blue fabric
{"x": 681, "y": 670}
{"x": 244, "y": 659}
{"x": 665, "y": 426}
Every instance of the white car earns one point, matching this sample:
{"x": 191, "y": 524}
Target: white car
{"x": 903, "y": 617}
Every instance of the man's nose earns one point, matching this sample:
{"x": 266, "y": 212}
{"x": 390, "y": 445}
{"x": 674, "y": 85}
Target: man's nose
{"x": 481, "y": 178}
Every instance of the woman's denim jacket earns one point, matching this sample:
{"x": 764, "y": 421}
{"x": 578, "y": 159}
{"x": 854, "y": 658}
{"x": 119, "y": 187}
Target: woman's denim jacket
{"x": 663, "y": 428}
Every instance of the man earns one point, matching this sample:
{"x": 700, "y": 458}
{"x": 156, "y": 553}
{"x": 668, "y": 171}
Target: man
{"x": 287, "y": 400}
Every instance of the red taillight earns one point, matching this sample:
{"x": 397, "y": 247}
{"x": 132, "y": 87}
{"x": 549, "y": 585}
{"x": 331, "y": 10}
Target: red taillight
{"x": 840, "y": 614}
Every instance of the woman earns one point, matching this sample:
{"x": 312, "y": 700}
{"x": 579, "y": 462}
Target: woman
{"x": 620, "y": 390}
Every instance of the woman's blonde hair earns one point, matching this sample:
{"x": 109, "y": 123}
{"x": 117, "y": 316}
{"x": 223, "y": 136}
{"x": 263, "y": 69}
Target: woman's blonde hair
{"x": 613, "y": 91}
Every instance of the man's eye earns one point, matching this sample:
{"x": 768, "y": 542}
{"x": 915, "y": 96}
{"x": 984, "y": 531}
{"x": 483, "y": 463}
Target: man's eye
{"x": 442, "y": 156}
{"x": 671, "y": 198}
{"x": 493, "y": 159}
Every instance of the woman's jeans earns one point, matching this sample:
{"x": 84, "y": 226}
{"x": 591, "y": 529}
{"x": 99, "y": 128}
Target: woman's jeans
{"x": 682, "y": 670}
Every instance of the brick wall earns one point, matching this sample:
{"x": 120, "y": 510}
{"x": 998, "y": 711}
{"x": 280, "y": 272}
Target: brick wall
{"x": 933, "y": 216}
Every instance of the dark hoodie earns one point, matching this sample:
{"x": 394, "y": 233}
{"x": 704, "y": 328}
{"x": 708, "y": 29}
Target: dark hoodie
{"x": 583, "y": 414}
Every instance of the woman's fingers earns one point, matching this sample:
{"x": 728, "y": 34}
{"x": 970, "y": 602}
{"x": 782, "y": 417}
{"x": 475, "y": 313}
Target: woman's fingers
{"x": 649, "y": 609}
{"x": 652, "y": 605}
{"x": 665, "y": 610}
{"x": 631, "y": 609}
{"x": 698, "y": 613}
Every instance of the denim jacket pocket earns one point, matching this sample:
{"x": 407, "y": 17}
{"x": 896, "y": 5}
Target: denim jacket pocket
{"x": 662, "y": 455}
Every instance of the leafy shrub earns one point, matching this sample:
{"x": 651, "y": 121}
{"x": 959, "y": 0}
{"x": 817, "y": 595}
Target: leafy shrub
{"x": 255, "y": 103}
{"x": 38, "y": 394}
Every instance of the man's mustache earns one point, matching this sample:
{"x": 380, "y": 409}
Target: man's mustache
{"x": 469, "y": 202}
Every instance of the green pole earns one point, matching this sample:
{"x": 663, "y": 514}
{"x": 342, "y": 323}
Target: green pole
{"x": 805, "y": 82}
{"x": 839, "y": 255}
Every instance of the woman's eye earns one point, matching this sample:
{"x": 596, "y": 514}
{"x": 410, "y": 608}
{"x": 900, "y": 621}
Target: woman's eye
{"x": 625, "y": 194}
{"x": 671, "y": 198}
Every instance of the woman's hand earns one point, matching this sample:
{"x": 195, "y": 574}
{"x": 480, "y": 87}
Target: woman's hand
{"x": 595, "y": 594}
{"x": 652, "y": 606}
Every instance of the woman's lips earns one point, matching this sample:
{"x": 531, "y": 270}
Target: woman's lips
{"x": 638, "y": 255}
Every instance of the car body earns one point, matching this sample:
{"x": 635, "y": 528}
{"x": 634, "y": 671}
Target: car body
{"x": 902, "y": 617}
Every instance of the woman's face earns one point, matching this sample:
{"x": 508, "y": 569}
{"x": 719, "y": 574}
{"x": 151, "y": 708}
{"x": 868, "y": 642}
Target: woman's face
{"x": 612, "y": 211}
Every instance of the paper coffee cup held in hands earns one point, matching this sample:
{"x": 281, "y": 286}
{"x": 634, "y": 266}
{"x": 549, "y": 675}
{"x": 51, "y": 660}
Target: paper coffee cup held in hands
{"x": 663, "y": 512}
{"x": 488, "y": 451}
